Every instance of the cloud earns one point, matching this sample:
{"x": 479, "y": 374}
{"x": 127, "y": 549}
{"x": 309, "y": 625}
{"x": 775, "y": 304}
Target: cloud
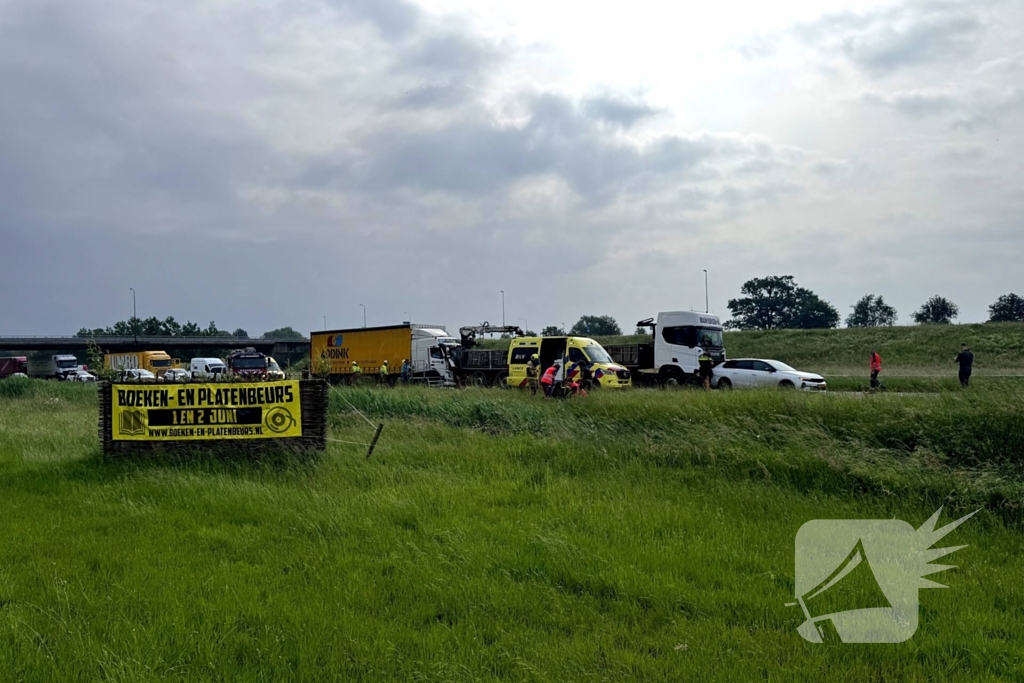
{"x": 916, "y": 103}
{"x": 617, "y": 111}
{"x": 382, "y": 153}
{"x": 394, "y": 19}
{"x": 891, "y": 38}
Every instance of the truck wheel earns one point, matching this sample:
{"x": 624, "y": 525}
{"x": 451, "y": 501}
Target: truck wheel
{"x": 725, "y": 384}
{"x": 674, "y": 379}
{"x": 477, "y": 379}
{"x": 501, "y": 380}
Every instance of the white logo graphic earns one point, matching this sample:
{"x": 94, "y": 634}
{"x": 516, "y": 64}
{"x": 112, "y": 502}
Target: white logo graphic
{"x": 857, "y": 580}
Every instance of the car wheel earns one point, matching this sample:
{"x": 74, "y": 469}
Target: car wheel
{"x": 725, "y": 383}
{"x": 786, "y": 384}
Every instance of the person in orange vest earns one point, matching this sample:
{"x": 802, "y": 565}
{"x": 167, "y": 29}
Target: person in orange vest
{"x": 548, "y": 379}
{"x": 876, "y": 367}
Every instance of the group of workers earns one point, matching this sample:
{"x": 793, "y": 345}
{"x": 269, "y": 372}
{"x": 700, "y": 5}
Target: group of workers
{"x": 385, "y": 371}
{"x": 554, "y": 381}
{"x": 964, "y": 359}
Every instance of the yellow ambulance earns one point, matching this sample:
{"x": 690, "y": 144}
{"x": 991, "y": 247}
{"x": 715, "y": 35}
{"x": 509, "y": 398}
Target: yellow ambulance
{"x": 577, "y": 353}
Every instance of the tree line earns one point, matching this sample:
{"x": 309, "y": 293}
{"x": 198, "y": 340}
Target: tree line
{"x": 777, "y": 302}
{"x": 169, "y": 327}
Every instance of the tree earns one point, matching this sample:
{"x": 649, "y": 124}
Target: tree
{"x": 284, "y": 333}
{"x": 595, "y": 326}
{"x": 552, "y": 331}
{"x": 776, "y": 302}
{"x": 240, "y": 333}
{"x": 642, "y": 332}
{"x": 871, "y": 311}
{"x": 1007, "y": 308}
{"x": 813, "y": 312}
{"x": 937, "y": 310}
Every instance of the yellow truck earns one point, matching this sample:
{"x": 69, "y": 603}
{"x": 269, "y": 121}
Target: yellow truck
{"x": 157, "y": 362}
{"x": 332, "y": 352}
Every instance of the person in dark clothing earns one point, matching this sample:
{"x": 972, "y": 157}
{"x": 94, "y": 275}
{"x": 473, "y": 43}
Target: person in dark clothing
{"x": 706, "y": 366}
{"x": 965, "y": 359}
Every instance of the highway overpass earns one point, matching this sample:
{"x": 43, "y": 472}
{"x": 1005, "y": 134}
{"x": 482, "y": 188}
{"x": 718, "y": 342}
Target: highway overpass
{"x": 285, "y": 348}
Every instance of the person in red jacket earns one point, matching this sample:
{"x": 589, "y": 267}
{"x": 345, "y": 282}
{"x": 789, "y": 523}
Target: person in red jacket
{"x": 876, "y": 367}
{"x": 548, "y": 379}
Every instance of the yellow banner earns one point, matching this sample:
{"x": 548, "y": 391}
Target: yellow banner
{"x": 183, "y": 412}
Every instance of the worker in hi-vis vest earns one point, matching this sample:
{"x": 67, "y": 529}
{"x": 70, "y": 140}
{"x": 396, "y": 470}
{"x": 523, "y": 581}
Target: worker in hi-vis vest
{"x": 706, "y": 366}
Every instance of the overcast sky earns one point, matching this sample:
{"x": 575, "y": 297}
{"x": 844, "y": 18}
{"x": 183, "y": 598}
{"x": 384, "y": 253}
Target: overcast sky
{"x": 266, "y": 163}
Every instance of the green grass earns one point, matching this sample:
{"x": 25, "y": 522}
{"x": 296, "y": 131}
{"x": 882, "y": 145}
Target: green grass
{"x": 638, "y": 536}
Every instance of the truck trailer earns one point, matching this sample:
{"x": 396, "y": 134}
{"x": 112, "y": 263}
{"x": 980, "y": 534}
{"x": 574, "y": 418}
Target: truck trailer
{"x": 426, "y": 347}
{"x": 12, "y": 365}
{"x": 670, "y": 359}
{"x": 157, "y": 362}
{"x": 54, "y": 366}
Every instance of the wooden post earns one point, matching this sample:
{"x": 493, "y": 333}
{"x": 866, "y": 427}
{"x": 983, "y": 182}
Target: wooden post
{"x": 373, "y": 441}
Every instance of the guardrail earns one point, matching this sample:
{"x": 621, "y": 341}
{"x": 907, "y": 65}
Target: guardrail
{"x": 239, "y": 341}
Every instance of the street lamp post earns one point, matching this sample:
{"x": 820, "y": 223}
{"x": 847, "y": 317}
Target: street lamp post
{"x": 526, "y": 324}
{"x": 707, "y": 309}
{"x": 364, "y": 315}
{"x": 325, "y": 323}
{"x": 503, "y": 308}
{"x": 135, "y": 317}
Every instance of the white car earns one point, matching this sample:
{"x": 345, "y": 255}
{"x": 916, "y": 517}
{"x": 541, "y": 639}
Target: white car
{"x": 137, "y": 375}
{"x": 80, "y": 376}
{"x": 753, "y": 372}
{"x": 177, "y": 375}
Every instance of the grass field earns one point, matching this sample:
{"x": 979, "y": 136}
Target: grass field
{"x": 495, "y": 536}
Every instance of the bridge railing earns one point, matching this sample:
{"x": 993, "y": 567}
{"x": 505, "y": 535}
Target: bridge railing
{"x": 226, "y": 341}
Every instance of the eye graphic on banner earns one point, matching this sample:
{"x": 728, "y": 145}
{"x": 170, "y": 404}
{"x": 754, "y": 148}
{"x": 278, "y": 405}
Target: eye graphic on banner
{"x": 279, "y": 420}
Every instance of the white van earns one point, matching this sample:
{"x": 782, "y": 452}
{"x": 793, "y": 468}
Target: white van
{"x": 207, "y": 368}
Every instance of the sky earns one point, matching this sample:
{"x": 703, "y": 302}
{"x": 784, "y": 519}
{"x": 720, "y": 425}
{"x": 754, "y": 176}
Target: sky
{"x": 261, "y": 163}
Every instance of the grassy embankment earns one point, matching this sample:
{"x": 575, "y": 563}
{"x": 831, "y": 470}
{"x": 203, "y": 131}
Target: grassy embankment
{"x": 638, "y": 536}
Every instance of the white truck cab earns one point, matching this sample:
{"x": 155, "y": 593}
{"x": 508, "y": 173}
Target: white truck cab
{"x": 681, "y": 336}
{"x": 671, "y": 357}
{"x": 429, "y": 354}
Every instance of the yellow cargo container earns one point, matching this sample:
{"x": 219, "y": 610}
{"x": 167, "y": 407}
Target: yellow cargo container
{"x": 157, "y": 362}
{"x": 368, "y": 346}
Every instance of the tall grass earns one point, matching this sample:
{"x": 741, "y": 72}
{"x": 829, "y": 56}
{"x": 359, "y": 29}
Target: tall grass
{"x": 494, "y": 536}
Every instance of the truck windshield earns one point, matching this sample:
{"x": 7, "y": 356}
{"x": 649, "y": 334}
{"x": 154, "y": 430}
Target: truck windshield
{"x": 249, "y": 363}
{"x": 67, "y": 363}
{"x": 596, "y": 354}
{"x": 160, "y": 362}
{"x": 709, "y": 338}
